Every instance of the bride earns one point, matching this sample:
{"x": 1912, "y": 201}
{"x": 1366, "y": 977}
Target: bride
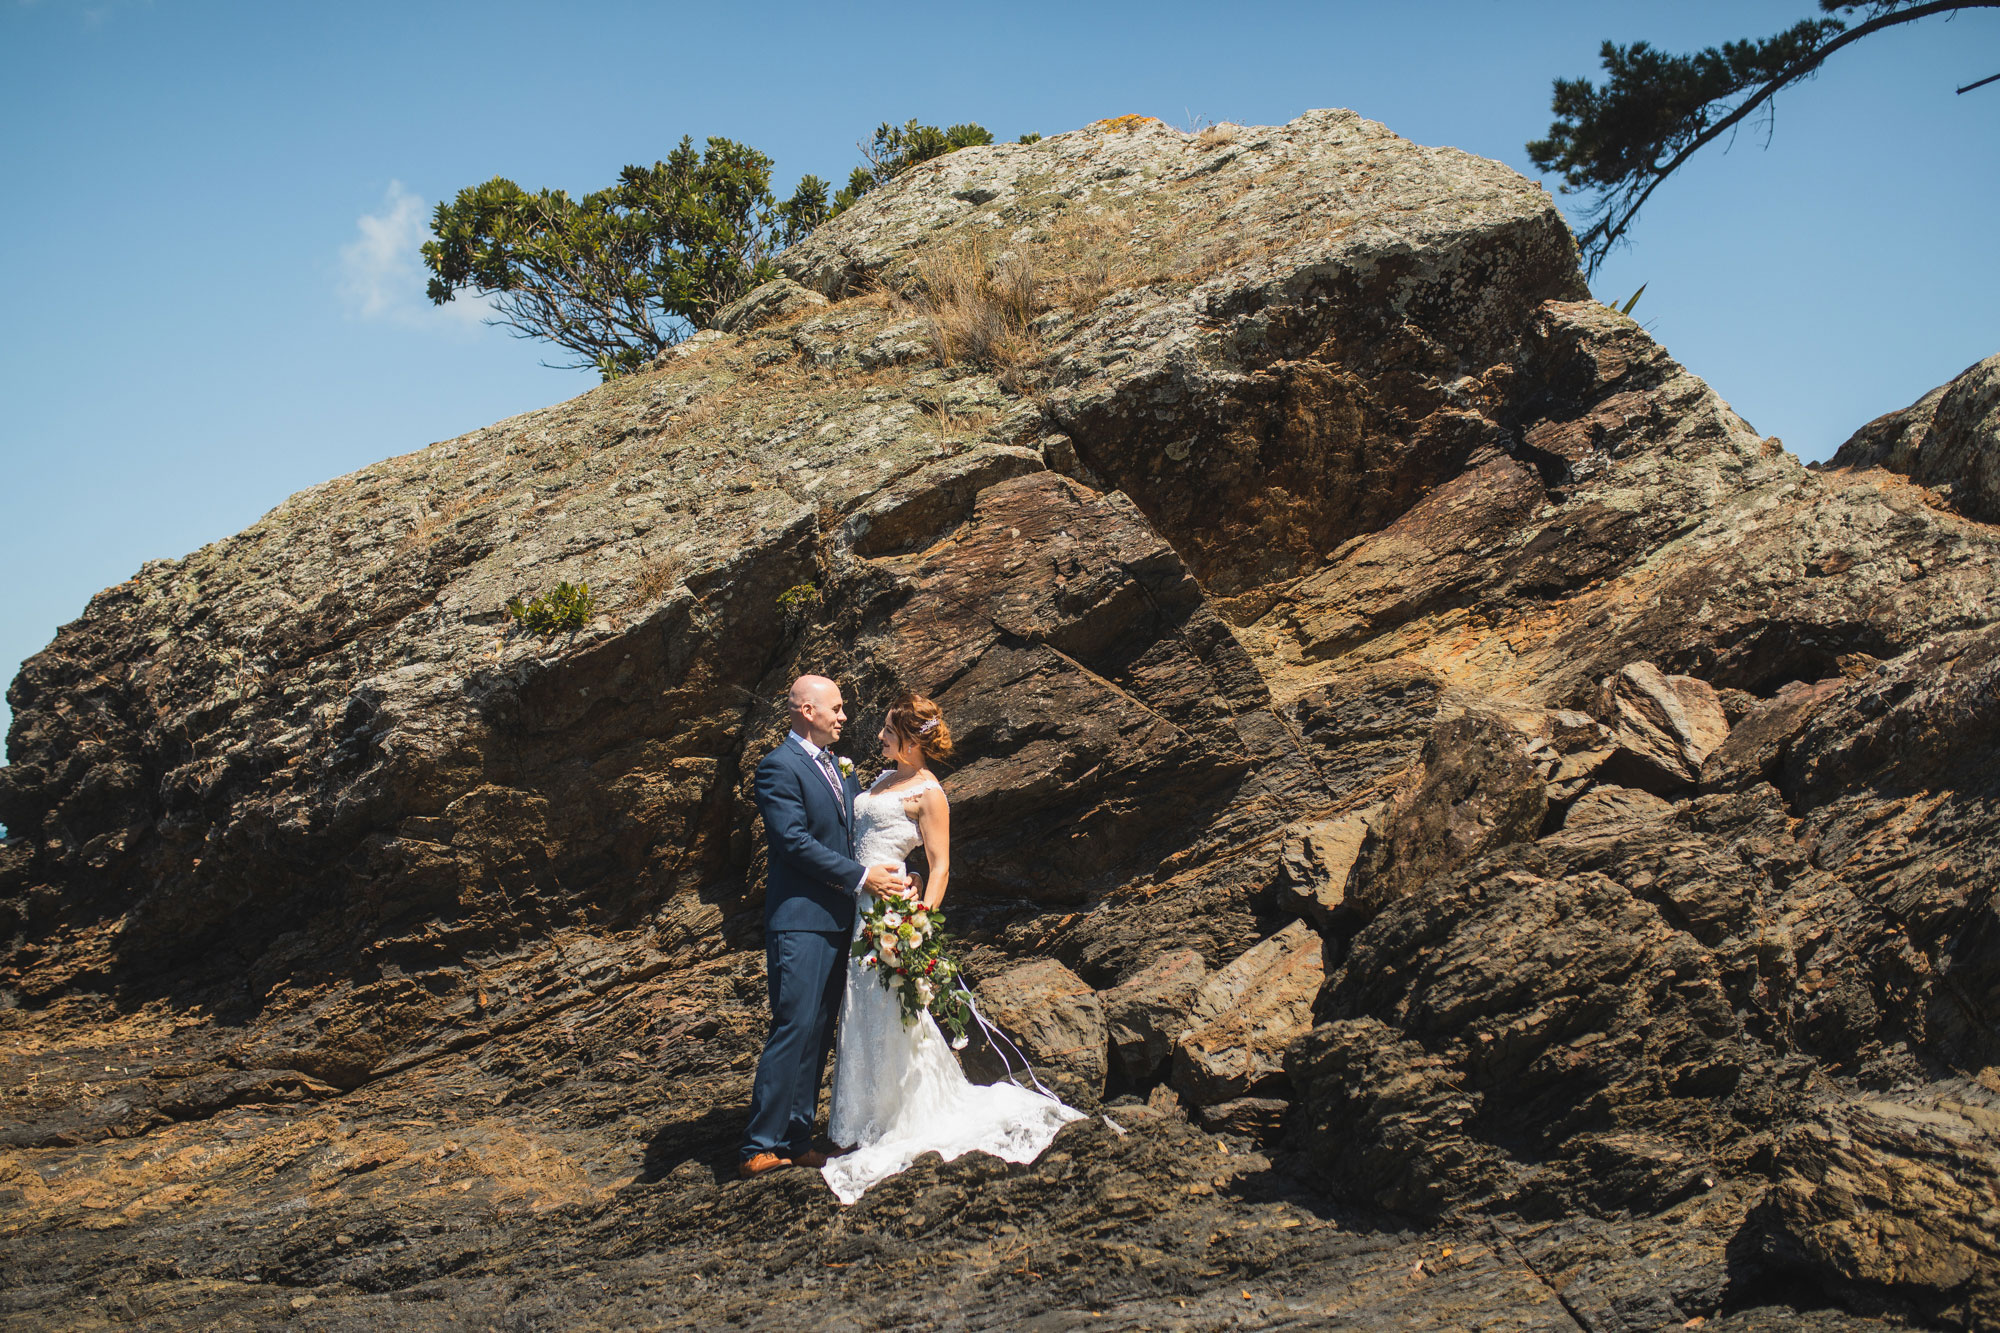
{"x": 897, "y": 1090}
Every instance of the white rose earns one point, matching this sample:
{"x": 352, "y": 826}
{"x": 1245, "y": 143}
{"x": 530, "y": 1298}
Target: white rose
{"x": 892, "y": 920}
{"x": 922, "y": 920}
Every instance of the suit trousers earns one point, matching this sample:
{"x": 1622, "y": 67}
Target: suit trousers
{"x": 806, "y": 971}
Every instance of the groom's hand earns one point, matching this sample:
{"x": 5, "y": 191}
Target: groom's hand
{"x": 886, "y": 881}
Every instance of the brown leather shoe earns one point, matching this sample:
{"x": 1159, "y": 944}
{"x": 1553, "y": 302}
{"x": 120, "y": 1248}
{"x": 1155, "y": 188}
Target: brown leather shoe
{"x": 812, "y": 1159}
{"x": 760, "y": 1163}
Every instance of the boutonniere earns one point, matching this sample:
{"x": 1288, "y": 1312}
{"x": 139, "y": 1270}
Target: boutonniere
{"x": 846, "y": 765}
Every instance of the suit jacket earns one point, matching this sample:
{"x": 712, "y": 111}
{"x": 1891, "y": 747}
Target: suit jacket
{"x": 810, "y": 836}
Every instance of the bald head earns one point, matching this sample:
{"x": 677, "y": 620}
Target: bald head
{"x": 817, "y": 710}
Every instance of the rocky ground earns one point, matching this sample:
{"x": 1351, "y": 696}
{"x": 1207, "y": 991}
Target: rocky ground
{"x": 1506, "y": 844}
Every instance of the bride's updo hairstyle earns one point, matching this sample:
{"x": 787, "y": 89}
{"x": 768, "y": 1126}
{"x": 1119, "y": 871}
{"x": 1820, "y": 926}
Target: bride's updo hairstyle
{"x": 915, "y": 718}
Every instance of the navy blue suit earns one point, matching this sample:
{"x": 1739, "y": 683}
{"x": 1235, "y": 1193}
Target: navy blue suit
{"x": 808, "y": 921}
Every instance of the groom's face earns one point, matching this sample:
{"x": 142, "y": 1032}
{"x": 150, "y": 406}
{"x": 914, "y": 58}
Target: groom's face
{"x": 824, "y": 713}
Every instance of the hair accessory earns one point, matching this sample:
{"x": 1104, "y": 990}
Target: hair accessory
{"x": 927, "y": 727}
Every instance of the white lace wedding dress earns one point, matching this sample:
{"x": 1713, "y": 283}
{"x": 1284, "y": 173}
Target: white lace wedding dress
{"x": 898, "y": 1091}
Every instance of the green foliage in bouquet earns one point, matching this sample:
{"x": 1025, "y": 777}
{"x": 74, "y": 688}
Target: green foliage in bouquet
{"x": 908, "y": 949}
{"x": 565, "y": 610}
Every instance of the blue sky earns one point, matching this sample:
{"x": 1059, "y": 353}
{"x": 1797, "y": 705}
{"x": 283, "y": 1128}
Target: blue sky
{"x": 212, "y": 296}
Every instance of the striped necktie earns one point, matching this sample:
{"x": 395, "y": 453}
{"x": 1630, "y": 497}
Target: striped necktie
{"x": 825, "y": 762}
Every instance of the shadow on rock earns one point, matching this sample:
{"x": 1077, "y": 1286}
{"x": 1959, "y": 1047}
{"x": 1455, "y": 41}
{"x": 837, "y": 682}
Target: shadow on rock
{"x": 706, "y": 1143}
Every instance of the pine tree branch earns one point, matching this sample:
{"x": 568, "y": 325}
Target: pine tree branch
{"x": 1598, "y": 242}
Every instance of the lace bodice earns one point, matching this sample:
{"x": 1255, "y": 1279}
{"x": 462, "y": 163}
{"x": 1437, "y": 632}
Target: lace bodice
{"x": 882, "y": 831}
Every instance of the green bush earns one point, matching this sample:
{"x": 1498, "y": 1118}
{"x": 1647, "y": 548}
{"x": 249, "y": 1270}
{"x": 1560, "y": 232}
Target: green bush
{"x": 565, "y": 610}
{"x": 795, "y": 599}
{"x": 623, "y": 273}
{"x": 897, "y": 148}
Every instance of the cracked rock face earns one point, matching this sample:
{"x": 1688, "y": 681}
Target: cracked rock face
{"x": 1949, "y": 440}
{"x": 1506, "y": 843}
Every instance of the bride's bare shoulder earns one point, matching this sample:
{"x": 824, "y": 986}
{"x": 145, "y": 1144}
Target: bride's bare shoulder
{"x": 923, "y": 792}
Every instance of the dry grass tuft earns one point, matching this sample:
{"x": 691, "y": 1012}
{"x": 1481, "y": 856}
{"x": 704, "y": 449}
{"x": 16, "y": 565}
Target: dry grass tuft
{"x": 430, "y": 522}
{"x": 1218, "y": 136}
{"x": 1095, "y": 255}
{"x": 1204, "y": 261}
{"x": 956, "y": 424}
{"x": 700, "y": 413}
{"x": 657, "y": 577}
{"x": 978, "y": 310}
{"x": 1092, "y": 253}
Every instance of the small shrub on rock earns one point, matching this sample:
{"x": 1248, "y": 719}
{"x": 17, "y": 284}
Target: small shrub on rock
{"x": 797, "y": 599}
{"x": 564, "y": 610}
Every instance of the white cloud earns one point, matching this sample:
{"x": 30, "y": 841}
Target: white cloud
{"x": 382, "y": 274}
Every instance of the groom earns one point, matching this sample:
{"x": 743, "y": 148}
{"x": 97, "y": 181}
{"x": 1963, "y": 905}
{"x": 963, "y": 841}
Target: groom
{"x": 810, "y": 887}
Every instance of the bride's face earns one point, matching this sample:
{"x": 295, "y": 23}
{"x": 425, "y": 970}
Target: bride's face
{"x": 892, "y": 744}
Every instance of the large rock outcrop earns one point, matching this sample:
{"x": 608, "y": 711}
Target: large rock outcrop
{"x": 1949, "y": 440}
{"x": 1289, "y": 538}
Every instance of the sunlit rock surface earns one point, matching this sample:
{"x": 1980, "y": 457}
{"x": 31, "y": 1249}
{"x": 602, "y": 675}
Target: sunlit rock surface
{"x": 1301, "y": 556}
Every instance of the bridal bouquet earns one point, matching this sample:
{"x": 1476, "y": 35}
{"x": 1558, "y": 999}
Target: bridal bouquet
{"x": 906, "y": 946}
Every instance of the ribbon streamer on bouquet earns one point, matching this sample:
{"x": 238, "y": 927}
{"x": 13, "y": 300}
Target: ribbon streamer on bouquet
{"x": 999, "y": 1039}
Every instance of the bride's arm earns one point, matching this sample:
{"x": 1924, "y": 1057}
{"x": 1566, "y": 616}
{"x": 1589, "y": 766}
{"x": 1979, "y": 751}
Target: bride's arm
{"x": 934, "y": 823}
